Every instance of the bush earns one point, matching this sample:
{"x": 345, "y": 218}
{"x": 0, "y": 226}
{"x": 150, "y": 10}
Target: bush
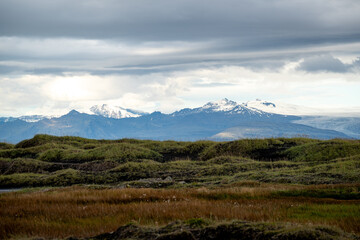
{"x": 21, "y": 165}
{"x": 136, "y": 170}
{"x": 41, "y": 139}
{"x": 5, "y": 145}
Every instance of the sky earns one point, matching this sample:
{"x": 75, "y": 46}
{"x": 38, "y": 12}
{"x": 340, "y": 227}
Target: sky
{"x": 163, "y": 55}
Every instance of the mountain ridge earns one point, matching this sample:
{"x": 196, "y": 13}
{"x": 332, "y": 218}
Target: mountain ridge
{"x": 223, "y": 105}
{"x": 158, "y": 126}
{"x": 220, "y": 120}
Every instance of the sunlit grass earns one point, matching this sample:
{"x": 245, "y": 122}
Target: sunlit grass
{"x": 84, "y": 212}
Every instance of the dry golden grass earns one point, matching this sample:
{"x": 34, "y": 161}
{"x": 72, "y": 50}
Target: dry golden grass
{"x": 83, "y": 212}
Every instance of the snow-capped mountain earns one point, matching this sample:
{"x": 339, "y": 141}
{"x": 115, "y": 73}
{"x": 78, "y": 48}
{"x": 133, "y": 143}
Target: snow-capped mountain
{"x": 225, "y": 105}
{"x": 117, "y": 112}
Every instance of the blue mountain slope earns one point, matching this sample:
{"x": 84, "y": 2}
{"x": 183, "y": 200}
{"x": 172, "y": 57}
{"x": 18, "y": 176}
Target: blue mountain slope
{"x": 275, "y": 129}
{"x": 192, "y": 124}
{"x": 348, "y": 125}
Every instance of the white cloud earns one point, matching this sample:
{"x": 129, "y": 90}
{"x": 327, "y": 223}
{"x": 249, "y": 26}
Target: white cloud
{"x": 167, "y": 92}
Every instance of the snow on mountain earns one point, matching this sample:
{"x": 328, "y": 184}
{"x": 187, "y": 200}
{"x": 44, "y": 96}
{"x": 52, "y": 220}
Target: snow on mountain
{"x": 30, "y": 118}
{"x": 291, "y": 109}
{"x": 117, "y": 112}
{"x": 278, "y": 108}
{"x": 241, "y": 109}
{"x": 34, "y": 118}
{"x": 222, "y": 105}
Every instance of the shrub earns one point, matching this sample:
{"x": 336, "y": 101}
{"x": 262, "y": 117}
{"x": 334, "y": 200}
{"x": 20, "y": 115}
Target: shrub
{"x": 5, "y": 145}
{"x": 136, "y": 170}
{"x": 41, "y": 139}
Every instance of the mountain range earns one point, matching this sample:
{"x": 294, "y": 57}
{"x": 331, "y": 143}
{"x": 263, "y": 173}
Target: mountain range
{"x": 221, "y": 120}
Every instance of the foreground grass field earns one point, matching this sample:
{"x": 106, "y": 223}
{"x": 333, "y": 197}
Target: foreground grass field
{"x": 81, "y": 211}
{"x": 76, "y": 187}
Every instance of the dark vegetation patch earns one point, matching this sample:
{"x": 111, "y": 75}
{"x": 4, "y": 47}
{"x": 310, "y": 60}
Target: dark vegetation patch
{"x": 5, "y": 145}
{"x": 323, "y": 151}
{"x": 194, "y": 229}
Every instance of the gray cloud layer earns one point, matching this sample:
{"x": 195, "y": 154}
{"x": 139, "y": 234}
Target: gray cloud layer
{"x": 180, "y": 19}
{"x": 218, "y": 27}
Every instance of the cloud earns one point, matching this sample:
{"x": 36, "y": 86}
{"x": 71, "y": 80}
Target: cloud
{"x": 323, "y": 63}
{"x": 22, "y": 95}
{"x": 91, "y": 35}
{"x": 170, "y": 91}
{"x": 356, "y": 64}
{"x": 179, "y": 19}
{"x": 163, "y": 55}
{"x": 104, "y": 57}
{"x": 328, "y": 63}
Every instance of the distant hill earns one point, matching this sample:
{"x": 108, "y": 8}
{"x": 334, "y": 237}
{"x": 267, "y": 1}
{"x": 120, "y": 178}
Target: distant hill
{"x": 46, "y": 160}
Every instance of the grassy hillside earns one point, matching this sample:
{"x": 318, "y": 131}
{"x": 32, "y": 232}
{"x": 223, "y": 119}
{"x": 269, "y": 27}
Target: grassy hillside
{"x": 61, "y": 161}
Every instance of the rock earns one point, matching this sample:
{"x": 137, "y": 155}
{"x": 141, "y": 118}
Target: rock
{"x": 168, "y": 179}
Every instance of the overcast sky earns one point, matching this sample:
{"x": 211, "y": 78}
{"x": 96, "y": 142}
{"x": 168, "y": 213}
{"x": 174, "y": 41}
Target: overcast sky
{"x": 165, "y": 55}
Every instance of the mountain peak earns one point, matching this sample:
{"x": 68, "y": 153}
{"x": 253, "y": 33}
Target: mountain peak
{"x": 222, "y": 105}
{"x": 73, "y": 112}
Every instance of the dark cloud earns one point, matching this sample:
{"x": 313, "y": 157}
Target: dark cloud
{"x": 159, "y": 20}
{"x": 175, "y": 65}
{"x": 53, "y": 37}
{"x": 324, "y": 63}
{"x": 356, "y": 63}
{"x": 9, "y": 69}
{"x": 327, "y": 63}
